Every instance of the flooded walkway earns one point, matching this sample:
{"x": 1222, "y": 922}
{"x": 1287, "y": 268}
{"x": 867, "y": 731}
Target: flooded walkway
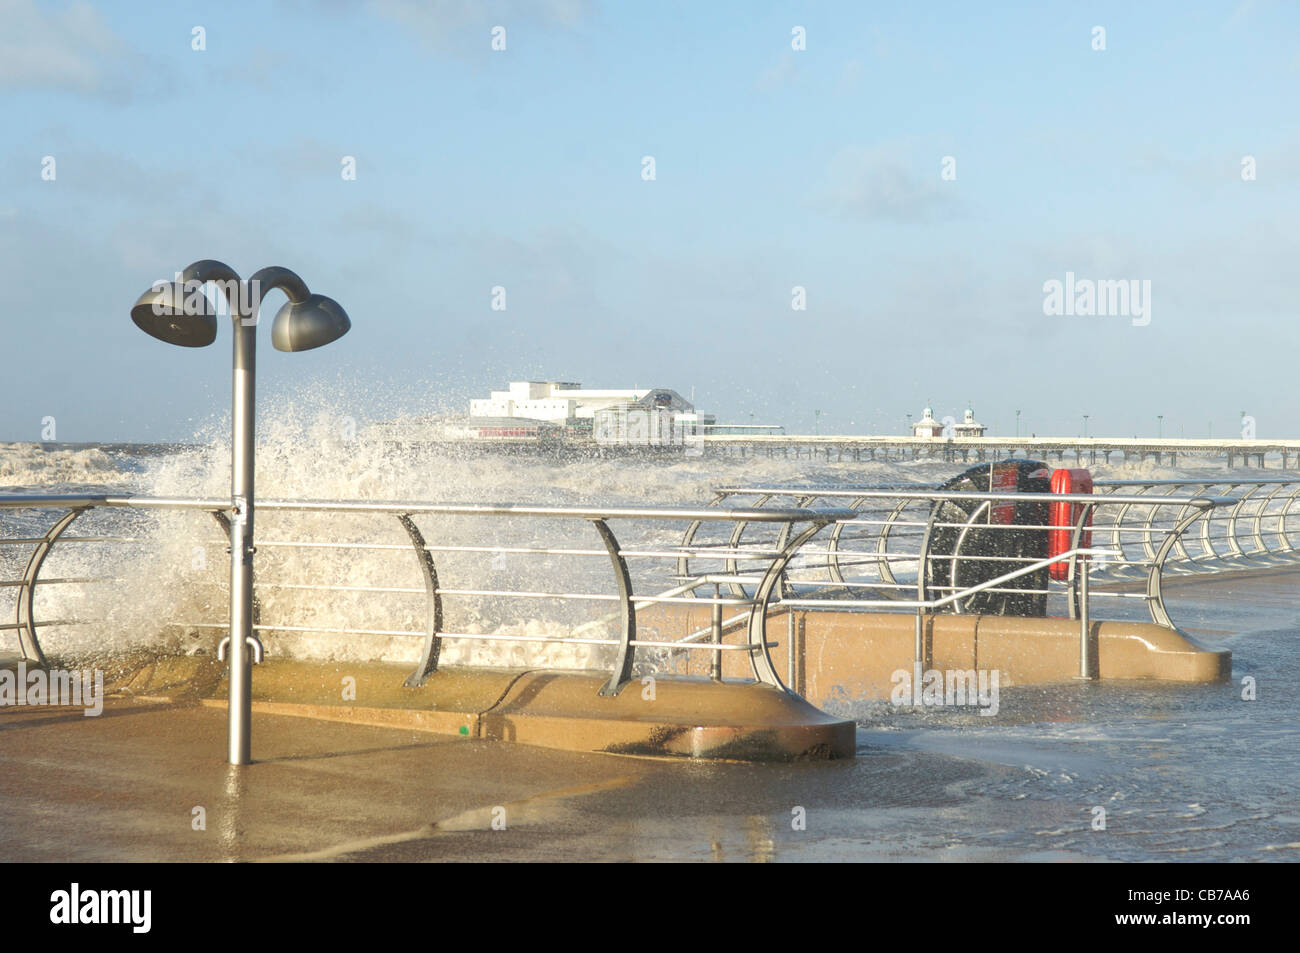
{"x": 1184, "y": 772}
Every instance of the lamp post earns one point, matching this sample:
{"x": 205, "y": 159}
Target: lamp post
{"x": 1160, "y": 426}
{"x": 1085, "y": 425}
{"x": 179, "y": 313}
{"x": 1017, "y": 425}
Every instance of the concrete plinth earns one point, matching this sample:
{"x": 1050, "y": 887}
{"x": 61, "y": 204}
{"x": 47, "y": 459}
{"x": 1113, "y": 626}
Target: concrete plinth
{"x": 668, "y": 715}
{"x": 839, "y": 655}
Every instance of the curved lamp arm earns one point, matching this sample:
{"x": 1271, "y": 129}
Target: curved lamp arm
{"x": 226, "y": 278}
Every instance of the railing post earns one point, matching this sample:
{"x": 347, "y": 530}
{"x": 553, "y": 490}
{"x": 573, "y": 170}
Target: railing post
{"x": 622, "y": 673}
{"x": 1088, "y": 647}
{"x": 789, "y": 649}
{"x": 918, "y": 645}
{"x": 882, "y": 542}
{"x": 1072, "y": 576}
{"x": 759, "y": 657}
{"x": 433, "y": 606}
{"x": 715, "y": 665}
{"x": 25, "y": 604}
{"x": 1155, "y": 593}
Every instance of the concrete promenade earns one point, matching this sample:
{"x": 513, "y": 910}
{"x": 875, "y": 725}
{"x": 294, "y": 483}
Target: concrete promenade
{"x": 124, "y": 786}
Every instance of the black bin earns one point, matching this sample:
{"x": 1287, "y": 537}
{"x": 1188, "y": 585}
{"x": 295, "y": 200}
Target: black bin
{"x": 990, "y": 546}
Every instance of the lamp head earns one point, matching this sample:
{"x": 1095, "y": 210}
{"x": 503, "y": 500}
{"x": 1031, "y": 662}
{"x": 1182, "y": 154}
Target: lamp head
{"x": 168, "y": 313}
{"x": 311, "y": 323}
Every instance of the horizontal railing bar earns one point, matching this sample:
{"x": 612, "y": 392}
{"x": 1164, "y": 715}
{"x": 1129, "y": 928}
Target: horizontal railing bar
{"x": 336, "y": 630}
{"x": 307, "y": 544}
{"x": 489, "y": 637}
{"x": 594, "y": 596}
{"x": 1096, "y": 527}
{"x": 957, "y": 495}
{"x": 40, "y": 625}
{"x": 396, "y": 589}
{"x": 1249, "y": 481}
{"x": 412, "y": 508}
{"x": 589, "y": 596}
{"x": 516, "y": 550}
{"x": 581, "y": 640}
{"x": 14, "y": 540}
{"x": 712, "y": 514}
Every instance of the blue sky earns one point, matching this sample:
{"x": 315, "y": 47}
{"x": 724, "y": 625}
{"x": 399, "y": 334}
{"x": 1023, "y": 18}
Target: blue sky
{"x": 774, "y": 168}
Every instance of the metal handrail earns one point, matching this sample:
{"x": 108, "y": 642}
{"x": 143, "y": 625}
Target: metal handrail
{"x": 1147, "y": 522}
{"x": 74, "y": 505}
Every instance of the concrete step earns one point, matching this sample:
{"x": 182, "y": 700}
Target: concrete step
{"x": 669, "y": 715}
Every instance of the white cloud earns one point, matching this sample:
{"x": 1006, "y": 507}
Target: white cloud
{"x": 437, "y": 22}
{"x": 71, "y": 49}
{"x": 881, "y": 184}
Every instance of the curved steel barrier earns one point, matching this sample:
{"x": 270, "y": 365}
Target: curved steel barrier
{"x": 1152, "y": 529}
{"x": 435, "y": 592}
{"x": 756, "y": 548}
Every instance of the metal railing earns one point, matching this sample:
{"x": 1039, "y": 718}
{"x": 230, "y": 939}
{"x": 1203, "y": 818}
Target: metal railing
{"x": 752, "y": 552}
{"x": 1150, "y": 529}
{"x": 625, "y": 643}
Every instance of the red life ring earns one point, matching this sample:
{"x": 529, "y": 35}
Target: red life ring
{"x": 1064, "y": 515}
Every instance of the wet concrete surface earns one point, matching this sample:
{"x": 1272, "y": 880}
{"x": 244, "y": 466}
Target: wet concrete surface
{"x": 124, "y": 786}
{"x": 1185, "y": 772}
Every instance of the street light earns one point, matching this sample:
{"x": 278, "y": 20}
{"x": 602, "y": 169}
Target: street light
{"x": 1017, "y": 425}
{"x": 1085, "y": 425}
{"x": 1160, "y": 426}
{"x": 178, "y": 312}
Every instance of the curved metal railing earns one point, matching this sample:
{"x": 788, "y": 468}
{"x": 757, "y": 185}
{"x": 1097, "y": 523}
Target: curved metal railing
{"x": 414, "y": 572}
{"x": 272, "y": 579}
{"x": 1152, "y": 529}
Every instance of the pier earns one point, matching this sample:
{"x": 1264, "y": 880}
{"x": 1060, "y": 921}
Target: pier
{"x": 1081, "y": 451}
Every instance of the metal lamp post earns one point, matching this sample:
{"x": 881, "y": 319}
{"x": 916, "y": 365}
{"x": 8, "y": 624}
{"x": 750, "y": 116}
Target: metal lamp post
{"x": 178, "y": 312}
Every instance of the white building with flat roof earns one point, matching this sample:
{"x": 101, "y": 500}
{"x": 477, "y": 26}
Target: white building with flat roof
{"x": 565, "y": 401}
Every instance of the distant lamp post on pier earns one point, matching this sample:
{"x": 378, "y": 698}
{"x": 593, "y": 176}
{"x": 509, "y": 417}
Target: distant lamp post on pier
{"x": 1085, "y": 425}
{"x": 817, "y": 422}
{"x": 1160, "y": 426}
{"x": 909, "y": 425}
{"x": 1017, "y": 425}
{"x": 179, "y": 312}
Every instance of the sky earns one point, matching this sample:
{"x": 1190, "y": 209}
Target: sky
{"x": 921, "y": 171}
